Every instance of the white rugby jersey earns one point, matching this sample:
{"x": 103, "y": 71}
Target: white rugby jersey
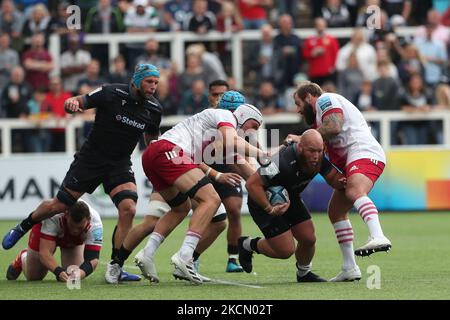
{"x": 355, "y": 140}
{"x": 193, "y": 134}
{"x": 55, "y": 229}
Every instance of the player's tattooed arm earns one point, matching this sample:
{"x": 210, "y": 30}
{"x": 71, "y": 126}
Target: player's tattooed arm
{"x": 331, "y": 125}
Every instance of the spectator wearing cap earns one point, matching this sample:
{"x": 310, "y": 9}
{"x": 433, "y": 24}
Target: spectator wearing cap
{"x": 74, "y": 63}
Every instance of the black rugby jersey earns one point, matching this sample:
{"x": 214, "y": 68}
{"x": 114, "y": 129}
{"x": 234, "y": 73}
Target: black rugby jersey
{"x": 284, "y": 170}
{"x": 120, "y": 121}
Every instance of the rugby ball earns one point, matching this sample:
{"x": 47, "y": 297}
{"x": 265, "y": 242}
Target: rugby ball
{"x": 277, "y": 195}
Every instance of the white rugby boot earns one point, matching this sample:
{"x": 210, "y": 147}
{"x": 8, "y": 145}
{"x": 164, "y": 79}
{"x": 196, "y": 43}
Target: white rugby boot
{"x": 348, "y": 275}
{"x": 147, "y": 266}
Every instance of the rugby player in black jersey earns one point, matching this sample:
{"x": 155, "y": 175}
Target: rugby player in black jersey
{"x": 292, "y": 168}
{"x": 123, "y": 113}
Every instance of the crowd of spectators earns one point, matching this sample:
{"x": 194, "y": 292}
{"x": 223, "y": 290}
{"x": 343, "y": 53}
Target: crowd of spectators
{"x": 375, "y": 69}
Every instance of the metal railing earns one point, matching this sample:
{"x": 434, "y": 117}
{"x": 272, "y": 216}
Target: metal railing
{"x": 178, "y": 39}
{"x": 385, "y": 120}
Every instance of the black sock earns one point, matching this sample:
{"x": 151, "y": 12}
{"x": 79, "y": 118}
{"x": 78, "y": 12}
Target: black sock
{"x": 196, "y": 255}
{"x": 122, "y": 256}
{"x": 254, "y": 244}
{"x": 115, "y": 255}
{"x": 27, "y": 223}
{"x": 232, "y": 249}
{"x": 114, "y": 250}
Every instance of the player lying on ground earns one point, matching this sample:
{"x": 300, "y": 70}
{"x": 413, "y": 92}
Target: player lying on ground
{"x": 78, "y": 232}
{"x": 172, "y": 164}
{"x": 124, "y": 112}
{"x": 353, "y": 150}
{"x": 292, "y": 168}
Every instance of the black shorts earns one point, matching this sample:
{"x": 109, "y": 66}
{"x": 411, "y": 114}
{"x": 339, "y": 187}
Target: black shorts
{"x": 272, "y": 226}
{"x": 87, "y": 173}
{"x": 223, "y": 190}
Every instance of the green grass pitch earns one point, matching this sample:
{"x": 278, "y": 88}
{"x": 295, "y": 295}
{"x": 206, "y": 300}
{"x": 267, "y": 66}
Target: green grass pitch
{"x": 416, "y": 268}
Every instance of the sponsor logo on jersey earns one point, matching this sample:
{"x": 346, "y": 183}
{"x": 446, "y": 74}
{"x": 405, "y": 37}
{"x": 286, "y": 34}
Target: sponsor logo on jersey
{"x": 123, "y": 102}
{"x": 98, "y": 235}
{"x": 130, "y": 122}
{"x": 324, "y": 103}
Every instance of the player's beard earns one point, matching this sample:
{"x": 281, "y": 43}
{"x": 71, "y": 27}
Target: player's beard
{"x": 308, "y": 113}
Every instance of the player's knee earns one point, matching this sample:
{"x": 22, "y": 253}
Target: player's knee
{"x": 353, "y": 193}
{"x": 308, "y": 241}
{"x": 285, "y": 252}
{"x": 234, "y": 215}
{"x": 125, "y": 198}
{"x": 127, "y": 209}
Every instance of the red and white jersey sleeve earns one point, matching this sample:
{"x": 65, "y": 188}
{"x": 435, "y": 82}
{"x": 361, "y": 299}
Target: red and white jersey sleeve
{"x": 355, "y": 141}
{"x": 94, "y": 234}
{"x": 51, "y": 228}
{"x": 193, "y": 134}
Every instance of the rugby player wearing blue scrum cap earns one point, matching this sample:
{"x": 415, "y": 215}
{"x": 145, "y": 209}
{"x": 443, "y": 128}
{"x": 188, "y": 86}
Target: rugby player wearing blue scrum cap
{"x": 124, "y": 112}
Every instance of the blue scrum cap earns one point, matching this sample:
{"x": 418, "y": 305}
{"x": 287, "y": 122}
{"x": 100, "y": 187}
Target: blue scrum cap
{"x": 142, "y": 71}
{"x": 231, "y": 100}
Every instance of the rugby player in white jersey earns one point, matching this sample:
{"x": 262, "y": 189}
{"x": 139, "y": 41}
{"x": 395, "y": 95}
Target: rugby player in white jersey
{"x": 79, "y": 234}
{"x": 352, "y": 148}
{"x": 174, "y": 165}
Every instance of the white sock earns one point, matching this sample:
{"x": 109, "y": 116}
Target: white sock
{"x": 344, "y": 235}
{"x": 246, "y": 244}
{"x": 303, "y": 270}
{"x": 153, "y": 243}
{"x": 369, "y": 214}
{"x": 233, "y": 256}
{"x": 189, "y": 244}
